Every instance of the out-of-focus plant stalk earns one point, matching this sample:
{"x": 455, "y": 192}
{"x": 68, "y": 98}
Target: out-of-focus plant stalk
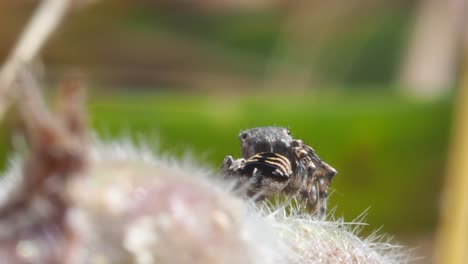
{"x": 44, "y": 21}
{"x": 430, "y": 64}
{"x": 452, "y": 237}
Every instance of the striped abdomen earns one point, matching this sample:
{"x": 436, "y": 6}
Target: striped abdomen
{"x": 270, "y": 165}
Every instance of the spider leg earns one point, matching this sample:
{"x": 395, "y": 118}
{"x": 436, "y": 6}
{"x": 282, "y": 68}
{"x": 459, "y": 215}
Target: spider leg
{"x": 319, "y": 177}
{"x": 323, "y": 168}
{"x": 303, "y": 200}
{"x": 226, "y": 170}
{"x": 230, "y": 172}
{"x": 314, "y": 203}
{"x": 303, "y": 180}
{"x": 231, "y": 166}
{"x": 254, "y": 185}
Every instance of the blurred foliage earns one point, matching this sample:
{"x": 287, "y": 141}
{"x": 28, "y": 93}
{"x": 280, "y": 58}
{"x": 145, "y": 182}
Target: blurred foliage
{"x": 126, "y": 43}
{"x": 368, "y": 52}
{"x": 389, "y": 152}
{"x": 251, "y": 32}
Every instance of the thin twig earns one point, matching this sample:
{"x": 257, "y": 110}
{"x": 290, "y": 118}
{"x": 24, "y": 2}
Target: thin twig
{"x": 44, "y": 21}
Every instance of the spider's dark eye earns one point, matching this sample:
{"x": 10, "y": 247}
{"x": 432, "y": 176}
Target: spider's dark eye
{"x": 243, "y": 136}
{"x": 288, "y": 132}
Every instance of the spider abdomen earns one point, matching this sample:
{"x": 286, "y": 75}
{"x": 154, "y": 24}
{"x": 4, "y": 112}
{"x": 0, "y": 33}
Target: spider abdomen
{"x": 266, "y": 173}
{"x": 269, "y": 164}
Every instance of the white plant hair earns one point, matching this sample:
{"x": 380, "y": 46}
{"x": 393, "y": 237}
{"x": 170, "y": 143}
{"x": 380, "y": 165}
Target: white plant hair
{"x": 131, "y": 206}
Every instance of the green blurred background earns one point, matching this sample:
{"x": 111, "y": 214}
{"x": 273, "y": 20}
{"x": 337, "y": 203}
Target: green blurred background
{"x": 187, "y": 76}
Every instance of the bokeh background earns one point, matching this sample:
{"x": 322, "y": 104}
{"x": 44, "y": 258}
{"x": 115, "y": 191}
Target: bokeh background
{"x": 370, "y": 84}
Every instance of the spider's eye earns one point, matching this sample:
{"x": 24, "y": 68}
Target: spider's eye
{"x": 243, "y": 136}
{"x": 288, "y": 132}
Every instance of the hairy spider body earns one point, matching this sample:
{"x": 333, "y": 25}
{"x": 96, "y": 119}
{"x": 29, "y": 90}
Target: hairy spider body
{"x": 273, "y": 162}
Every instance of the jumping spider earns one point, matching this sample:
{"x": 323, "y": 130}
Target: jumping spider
{"x": 273, "y": 162}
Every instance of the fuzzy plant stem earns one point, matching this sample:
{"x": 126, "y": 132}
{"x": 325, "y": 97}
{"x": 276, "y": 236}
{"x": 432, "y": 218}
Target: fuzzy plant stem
{"x": 452, "y": 240}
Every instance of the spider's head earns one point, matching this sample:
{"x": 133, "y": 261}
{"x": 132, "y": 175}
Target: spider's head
{"x": 265, "y": 139}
